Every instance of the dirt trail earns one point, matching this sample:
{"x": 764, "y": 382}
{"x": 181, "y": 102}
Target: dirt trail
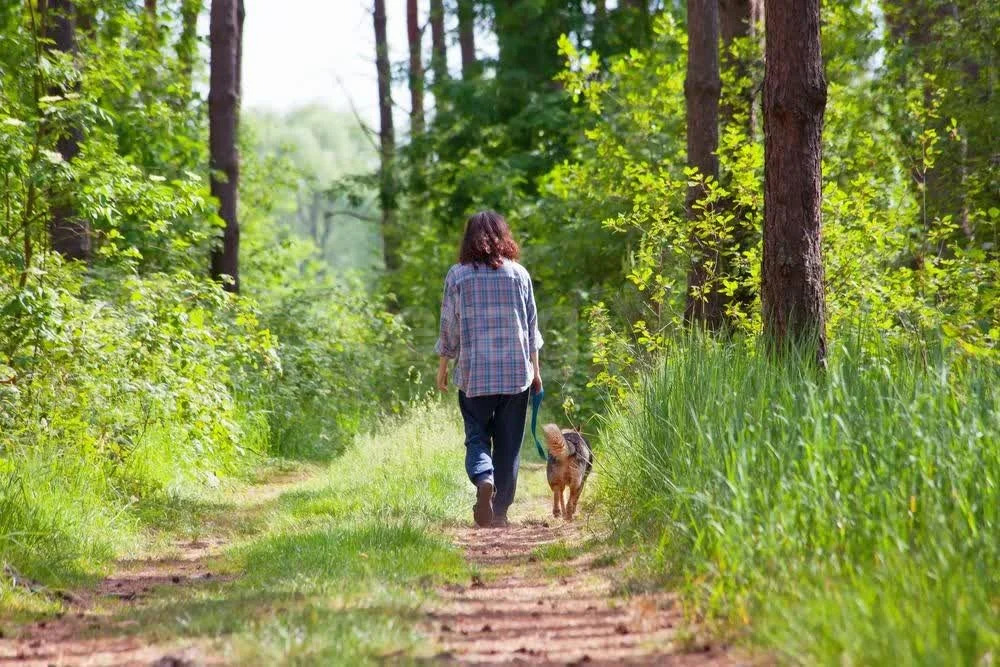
{"x": 526, "y": 608}
{"x": 91, "y": 630}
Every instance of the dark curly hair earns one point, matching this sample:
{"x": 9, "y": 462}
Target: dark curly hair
{"x": 487, "y": 241}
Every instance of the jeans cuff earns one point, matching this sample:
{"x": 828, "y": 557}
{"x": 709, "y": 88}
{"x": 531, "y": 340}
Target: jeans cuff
{"x": 483, "y": 477}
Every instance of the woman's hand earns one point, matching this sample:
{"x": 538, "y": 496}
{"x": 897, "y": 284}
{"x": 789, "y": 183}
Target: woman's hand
{"x": 442, "y": 376}
{"x": 536, "y": 383}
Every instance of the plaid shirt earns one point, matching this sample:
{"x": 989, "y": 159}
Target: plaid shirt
{"x": 489, "y": 323}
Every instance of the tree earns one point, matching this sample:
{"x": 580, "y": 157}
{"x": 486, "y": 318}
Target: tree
{"x": 187, "y": 43}
{"x": 68, "y": 233}
{"x": 792, "y": 283}
{"x": 738, "y": 21}
{"x": 702, "y": 87}
{"x": 225, "y": 35}
{"x": 387, "y": 140}
{"x": 439, "y": 47}
{"x": 416, "y": 78}
{"x": 467, "y": 38}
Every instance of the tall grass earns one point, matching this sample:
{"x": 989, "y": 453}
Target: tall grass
{"x": 850, "y": 517}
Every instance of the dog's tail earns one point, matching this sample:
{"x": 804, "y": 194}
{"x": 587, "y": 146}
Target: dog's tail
{"x": 555, "y": 442}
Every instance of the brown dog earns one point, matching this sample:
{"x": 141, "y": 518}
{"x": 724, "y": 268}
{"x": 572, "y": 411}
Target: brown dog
{"x": 570, "y": 461}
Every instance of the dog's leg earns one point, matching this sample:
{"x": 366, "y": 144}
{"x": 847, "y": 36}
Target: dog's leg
{"x": 574, "y": 496}
{"x": 557, "y": 501}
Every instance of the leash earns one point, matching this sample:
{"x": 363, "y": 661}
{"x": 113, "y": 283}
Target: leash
{"x": 536, "y": 402}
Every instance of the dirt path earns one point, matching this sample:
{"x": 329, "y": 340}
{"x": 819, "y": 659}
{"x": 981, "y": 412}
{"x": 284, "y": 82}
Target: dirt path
{"x": 535, "y": 602}
{"x": 95, "y": 628}
{"x": 538, "y": 596}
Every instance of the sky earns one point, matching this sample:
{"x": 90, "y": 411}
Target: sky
{"x": 297, "y": 52}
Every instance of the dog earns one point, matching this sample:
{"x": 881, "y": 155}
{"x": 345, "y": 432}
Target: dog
{"x": 569, "y": 463}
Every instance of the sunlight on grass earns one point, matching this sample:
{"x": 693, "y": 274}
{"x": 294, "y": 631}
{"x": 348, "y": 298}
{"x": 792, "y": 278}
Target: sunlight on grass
{"x": 852, "y": 516}
{"x": 344, "y": 560}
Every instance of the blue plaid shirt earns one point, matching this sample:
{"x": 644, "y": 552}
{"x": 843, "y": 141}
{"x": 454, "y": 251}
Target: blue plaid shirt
{"x": 489, "y": 323}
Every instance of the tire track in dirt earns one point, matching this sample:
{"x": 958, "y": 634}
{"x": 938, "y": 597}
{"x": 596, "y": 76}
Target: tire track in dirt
{"x": 524, "y": 610}
{"x": 94, "y": 628}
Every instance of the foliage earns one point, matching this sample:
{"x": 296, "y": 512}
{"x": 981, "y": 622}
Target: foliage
{"x": 132, "y": 378}
{"x": 851, "y": 518}
{"x": 327, "y": 153}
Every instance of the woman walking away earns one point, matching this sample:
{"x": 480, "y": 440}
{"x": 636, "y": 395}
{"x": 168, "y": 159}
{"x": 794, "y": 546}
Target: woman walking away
{"x": 490, "y": 326}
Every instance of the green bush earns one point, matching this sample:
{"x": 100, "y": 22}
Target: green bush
{"x": 852, "y": 517}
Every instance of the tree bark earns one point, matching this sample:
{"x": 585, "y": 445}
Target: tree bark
{"x": 439, "y": 46}
{"x": 387, "y": 141}
{"x": 792, "y": 290}
{"x": 223, "y": 120}
{"x": 702, "y": 87}
{"x": 738, "y": 20}
{"x": 467, "y": 38}
{"x": 416, "y": 78}
{"x": 187, "y": 43}
{"x": 69, "y": 235}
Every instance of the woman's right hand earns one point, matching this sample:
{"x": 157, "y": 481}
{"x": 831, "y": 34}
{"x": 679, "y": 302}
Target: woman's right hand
{"x": 536, "y": 384}
{"x": 442, "y": 375}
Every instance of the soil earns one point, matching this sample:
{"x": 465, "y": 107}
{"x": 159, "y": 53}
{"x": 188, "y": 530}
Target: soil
{"x": 90, "y": 631}
{"x": 523, "y": 608}
{"x": 520, "y": 607}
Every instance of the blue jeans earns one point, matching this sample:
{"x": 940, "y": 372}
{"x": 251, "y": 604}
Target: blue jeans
{"x": 494, "y": 428}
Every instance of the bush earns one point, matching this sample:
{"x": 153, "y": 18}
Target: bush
{"x": 852, "y": 517}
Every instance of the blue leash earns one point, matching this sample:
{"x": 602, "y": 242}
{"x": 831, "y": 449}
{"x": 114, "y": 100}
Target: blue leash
{"x": 536, "y": 402}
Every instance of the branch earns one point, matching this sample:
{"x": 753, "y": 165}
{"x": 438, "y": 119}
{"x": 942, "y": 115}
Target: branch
{"x": 369, "y": 132}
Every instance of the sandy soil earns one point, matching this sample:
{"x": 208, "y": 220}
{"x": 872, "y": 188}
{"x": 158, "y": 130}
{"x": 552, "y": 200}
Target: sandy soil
{"x": 522, "y": 609}
{"x": 90, "y": 631}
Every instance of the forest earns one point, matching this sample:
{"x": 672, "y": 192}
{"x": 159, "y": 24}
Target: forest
{"x": 763, "y": 239}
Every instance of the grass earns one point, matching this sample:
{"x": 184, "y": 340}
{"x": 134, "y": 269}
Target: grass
{"x": 335, "y": 570}
{"x": 850, "y": 517}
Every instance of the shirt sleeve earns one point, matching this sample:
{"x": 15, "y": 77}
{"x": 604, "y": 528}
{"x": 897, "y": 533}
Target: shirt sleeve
{"x": 535, "y": 341}
{"x": 448, "y": 338}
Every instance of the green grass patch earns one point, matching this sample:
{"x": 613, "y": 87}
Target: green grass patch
{"x": 557, "y": 551}
{"x": 343, "y": 564}
{"x": 851, "y": 516}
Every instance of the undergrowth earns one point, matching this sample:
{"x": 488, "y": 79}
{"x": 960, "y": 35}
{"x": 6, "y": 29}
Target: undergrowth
{"x": 847, "y": 517}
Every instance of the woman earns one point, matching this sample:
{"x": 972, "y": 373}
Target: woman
{"x": 490, "y": 326}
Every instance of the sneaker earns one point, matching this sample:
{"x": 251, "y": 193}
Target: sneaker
{"x": 482, "y": 511}
{"x": 500, "y": 521}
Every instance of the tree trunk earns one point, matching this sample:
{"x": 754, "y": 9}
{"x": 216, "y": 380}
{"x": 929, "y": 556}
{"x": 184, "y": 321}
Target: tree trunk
{"x": 439, "y": 46}
{"x": 467, "y": 38}
{"x": 69, "y": 235}
{"x": 738, "y": 21}
{"x": 599, "y": 30}
{"x": 701, "y": 92}
{"x": 416, "y": 78}
{"x": 792, "y": 296}
{"x": 187, "y": 44}
{"x": 223, "y": 119}
{"x": 941, "y": 187}
{"x": 387, "y": 140}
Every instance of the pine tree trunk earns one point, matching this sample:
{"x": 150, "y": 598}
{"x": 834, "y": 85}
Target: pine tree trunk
{"x": 416, "y": 78}
{"x": 467, "y": 38}
{"x": 439, "y": 46}
{"x": 69, "y": 235}
{"x": 738, "y": 20}
{"x": 223, "y": 119}
{"x": 187, "y": 43}
{"x": 701, "y": 92}
{"x": 792, "y": 291}
{"x": 387, "y": 139}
